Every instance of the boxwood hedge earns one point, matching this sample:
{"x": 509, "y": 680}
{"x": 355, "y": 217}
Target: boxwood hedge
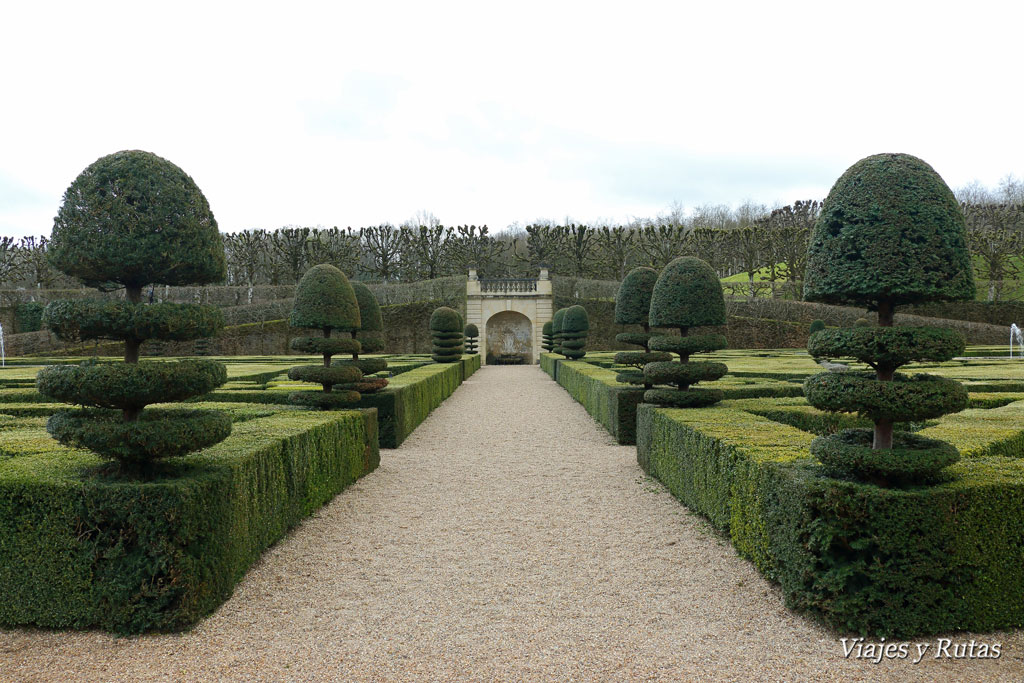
{"x": 133, "y": 556}
{"x": 876, "y": 561}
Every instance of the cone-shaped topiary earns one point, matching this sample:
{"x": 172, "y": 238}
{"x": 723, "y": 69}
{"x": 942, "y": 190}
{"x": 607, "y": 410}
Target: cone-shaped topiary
{"x": 687, "y": 294}
{"x": 556, "y": 331}
{"x": 547, "y": 337}
{"x": 446, "y": 330}
{"x": 575, "y": 326}
{"x": 632, "y": 307}
{"x": 325, "y": 300}
{"x": 133, "y": 219}
{"x": 370, "y": 338}
{"x": 471, "y": 333}
{"x": 890, "y": 233}
{"x": 817, "y": 326}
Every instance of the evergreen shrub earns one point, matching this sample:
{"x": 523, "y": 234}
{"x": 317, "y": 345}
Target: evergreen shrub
{"x": 575, "y": 326}
{"x": 471, "y": 333}
{"x": 446, "y": 331}
{"x": 369, "y": 336}
{"x": 325, "y": 300}
{"x": 132, "y": 219}
{"x": 632, "y": 307}
{"x": 890, "y": 233}
{"x": 686, "y": 294}
{"x": 548, "y": 341}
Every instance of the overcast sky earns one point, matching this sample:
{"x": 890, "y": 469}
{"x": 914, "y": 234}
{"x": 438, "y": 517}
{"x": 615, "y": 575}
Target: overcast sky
{"x": 360, "y": 113}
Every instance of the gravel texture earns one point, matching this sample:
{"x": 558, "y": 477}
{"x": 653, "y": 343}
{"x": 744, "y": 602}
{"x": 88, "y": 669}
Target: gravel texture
{"x": 509, "y": 538}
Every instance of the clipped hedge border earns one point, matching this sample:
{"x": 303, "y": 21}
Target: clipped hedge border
{"x": 160, "y": 555}
{"x": 880, "y": 562}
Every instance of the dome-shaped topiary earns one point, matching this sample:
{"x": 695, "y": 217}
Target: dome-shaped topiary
{"x": 687, "y": 294}
{"x": 547, "y": 337}
{"x": 446, "y": 331}
{"x": 575, "y": 325}
{"x": 632, "y": 307}
{"x": 890, "y": 233}
{"x": 132, "y": 218}
{"x": 556, "y": 330}
{"x": 471, "y": 333}
{"x": 817, "y": 326}
{"x": 633, "y": 301}
{"x": 325, "y": 300}
{"x": 370, "y": 338}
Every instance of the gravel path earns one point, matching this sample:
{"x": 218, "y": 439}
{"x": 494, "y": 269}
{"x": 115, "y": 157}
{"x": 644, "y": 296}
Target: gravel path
{"x": 509, "y": 538}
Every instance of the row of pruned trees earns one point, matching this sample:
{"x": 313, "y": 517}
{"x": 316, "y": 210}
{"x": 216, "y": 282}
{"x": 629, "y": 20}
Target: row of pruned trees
{"x": 768, "y": 246}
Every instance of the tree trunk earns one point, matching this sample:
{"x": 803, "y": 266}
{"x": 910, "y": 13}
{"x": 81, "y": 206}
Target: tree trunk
{"x": 131, "y": 346}
{"x": 884, "y": 373}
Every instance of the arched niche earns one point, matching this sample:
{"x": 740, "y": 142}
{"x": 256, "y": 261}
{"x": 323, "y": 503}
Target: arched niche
{"x": 509, "y": 338}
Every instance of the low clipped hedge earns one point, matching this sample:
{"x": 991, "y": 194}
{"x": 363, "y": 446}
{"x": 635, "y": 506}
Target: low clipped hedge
{"x": 613, "y": 404}
{"x": 897, "y": 562}
{"x": 134, "y": 556}
{"x": 609, "y": 402}
{"x": 410, "y": 397}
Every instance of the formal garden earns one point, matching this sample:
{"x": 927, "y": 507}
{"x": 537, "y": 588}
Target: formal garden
{"x": 872, "y": 472}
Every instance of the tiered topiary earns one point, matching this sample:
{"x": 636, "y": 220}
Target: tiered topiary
{"x": 132, "y": 219}
{"x": 817, "y": 326}
{"x": 890, "y": 233}
{"x": 687, "y": 294}
{"x": 547, "y": 337}
{"x": 471, "y": 333}
{"x": 324, "y": 300}
{"x": 370, "y": 338}
{"x": 556, "y": 331}
{"x": 575, "y": 326}
{"x": 632, "y": 307}
{"x": 446, "y": 330}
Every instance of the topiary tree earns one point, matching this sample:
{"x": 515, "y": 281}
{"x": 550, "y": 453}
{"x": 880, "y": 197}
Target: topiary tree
{"x": 575, "y": 326}
{"x": 325, "y": 301}
{"x": 556, "y": 331}
{"x": 446, "y": 331}
{"x": 471, "y": 332}
{"x": 632, "y": 307}
{"x": 862, "y": 322}
{"x": 890, "y": 233}
{"x": 687, "y": 294}
{"x": 817, "y": 326}
{"x": 133, "y": 219}
{"x": 370, "y": 338}
{"x": 547, "y": 337}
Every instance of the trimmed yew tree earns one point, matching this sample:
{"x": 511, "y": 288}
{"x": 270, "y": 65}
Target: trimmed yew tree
{"x": 133, "y": 219}
{"x": 817, "y": 326}
{"x": 370, "y": 338}
{"x": 575, "y": 326}
{"x": 471, "y": 333}
{"x": 547, "y": 337}
{"x": 632, "y": 307}
{"x": 446, "y": 331}
{"x": 687, "y": 294}
{"x": 890, "y": 233}
{"x": 325, "y": 301}
{"x": 556, "y": 331}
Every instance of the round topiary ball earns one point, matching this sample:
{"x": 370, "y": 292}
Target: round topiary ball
{"x": 575, "y": 320}
{"x": 135, "y": 218}
{"x": 862, "y": 322}
{"x": 324, "y": 300}
{"x": 890, "y": 231}
{"x": 817, "y": 326}
{"x": 471, "y": 330}
{"x": 688, "y": 293}
{"x": 445, "y": 319}
{"x": 633, "y": 301}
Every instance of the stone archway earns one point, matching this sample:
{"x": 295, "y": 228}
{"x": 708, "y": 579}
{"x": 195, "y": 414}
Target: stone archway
{"x": 509, "y": 335}
{"x": 528, "y": 298}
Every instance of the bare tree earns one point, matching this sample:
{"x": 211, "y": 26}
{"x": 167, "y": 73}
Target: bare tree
{"x": 659, "y": 244}
{"x": 615, "y": 250}
{"x": 382, "y": 246}
{"x": 426, "y": 251}
{"x": 474, "y": 247}
{"x": 995, "y": 234}
{"x": 35, "y": 266}
{"x": 289, "y": 251}
{"x": 10, "y": 262}
{"x": 579, "y": 247}
{"x": 545, "y": 245}
{"x": 340, "y": 248}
